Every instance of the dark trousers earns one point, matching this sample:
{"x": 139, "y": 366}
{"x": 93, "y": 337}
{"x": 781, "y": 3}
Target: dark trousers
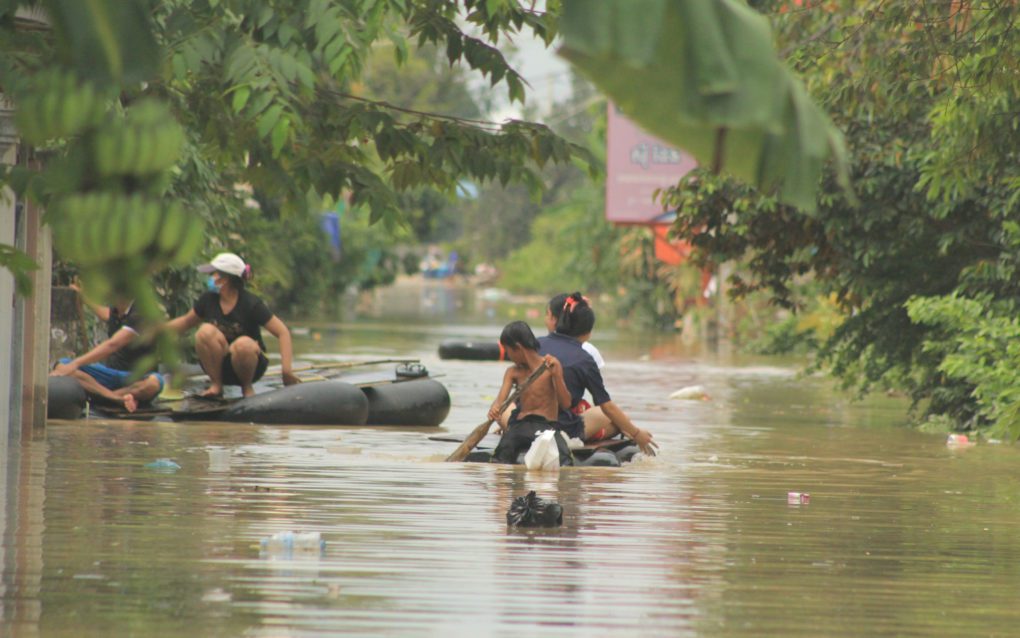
{"x": 521, "y": 434}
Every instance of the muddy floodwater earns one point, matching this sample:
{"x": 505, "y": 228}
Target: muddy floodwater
{"x": 901, "y": 535}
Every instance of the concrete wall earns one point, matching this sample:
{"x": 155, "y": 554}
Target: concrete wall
{"x": 6, "y": 304}
{"x": 24, "y": 321}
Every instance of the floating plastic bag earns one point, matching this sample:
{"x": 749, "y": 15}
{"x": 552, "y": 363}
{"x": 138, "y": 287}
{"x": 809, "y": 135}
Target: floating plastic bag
{"x": 543, "y": 453}
{"x": 531, "y": 511}
{"x": 691, "y": 393}
{"x": 163, "y": 465}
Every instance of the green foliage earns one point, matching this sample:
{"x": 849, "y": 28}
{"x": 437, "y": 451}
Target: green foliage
{"x": 786, "y": 336}
{"x": 153, "y": 112}
{"x": 572, "y": 248}
{"x": 977, "y": 344}
{"x": 927, "y": 97}
{"x": 294, "y": 264}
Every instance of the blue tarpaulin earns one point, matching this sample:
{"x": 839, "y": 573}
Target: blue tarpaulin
{"x": 330, "y": 224}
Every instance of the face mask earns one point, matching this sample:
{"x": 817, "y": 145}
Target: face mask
{"x": 211, "y": 284}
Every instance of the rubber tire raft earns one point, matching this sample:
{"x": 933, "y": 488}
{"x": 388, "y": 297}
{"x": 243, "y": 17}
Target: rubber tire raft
{"x": 65, "y": 398}
{"x": 472, "y": 350}
{"x": 415, "y": 402}
{"x": 418, "y": 402}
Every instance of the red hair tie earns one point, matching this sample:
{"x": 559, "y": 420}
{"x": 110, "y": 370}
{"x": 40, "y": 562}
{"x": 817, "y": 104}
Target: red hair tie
{"x": 571, "y": 303}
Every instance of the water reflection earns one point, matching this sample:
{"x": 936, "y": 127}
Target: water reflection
{"x": 901, "y": 536}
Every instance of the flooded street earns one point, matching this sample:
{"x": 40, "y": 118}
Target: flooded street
{"x": 901, "y": 536}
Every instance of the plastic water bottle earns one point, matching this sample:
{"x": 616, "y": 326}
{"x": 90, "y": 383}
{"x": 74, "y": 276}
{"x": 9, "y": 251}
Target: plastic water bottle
{"x": 288, "y": 543}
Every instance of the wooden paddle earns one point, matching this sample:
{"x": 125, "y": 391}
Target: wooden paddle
{"x": 479, "y": 432}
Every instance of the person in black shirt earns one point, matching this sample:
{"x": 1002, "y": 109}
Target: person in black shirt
{"x": 123, "y": 349}
{"x": 229, "y": 337}
{"x": 580, "y": 372}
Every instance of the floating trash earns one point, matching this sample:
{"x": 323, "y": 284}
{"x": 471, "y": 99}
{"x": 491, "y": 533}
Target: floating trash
{"x": 691, "y": 393}
{"x": 958, "y": 440}
{"x": 219, "y": 459}
{"x": 798, "y": 498}
{"x": 531, "y": 511}
{"x": 163, "y": 464}
{"x": 286, "y": 544}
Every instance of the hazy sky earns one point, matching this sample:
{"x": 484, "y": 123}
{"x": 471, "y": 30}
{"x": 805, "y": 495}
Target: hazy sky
{"x": 547, "y": 74}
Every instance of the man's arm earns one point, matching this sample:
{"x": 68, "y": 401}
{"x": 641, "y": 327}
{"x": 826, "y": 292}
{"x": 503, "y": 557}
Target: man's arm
{"x": 102, "y": 351}
{"x": 103, "y": 312}
{"x": 643, "y": 438}
{"x": 186, "y": 321}
{"x": 504, "y": 392}
{"x": 279, "y": 330}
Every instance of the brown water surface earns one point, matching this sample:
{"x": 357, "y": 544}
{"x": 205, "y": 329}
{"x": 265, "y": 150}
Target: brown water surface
{"x": 902, "y": 535}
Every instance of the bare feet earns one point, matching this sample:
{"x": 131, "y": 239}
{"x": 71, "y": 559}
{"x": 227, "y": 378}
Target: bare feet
{"x": 248, "y": 391}
{"x": 212, "y": 392}
{"x": 130, "y": 404}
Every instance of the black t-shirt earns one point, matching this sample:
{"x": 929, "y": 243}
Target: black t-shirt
{"x": 128, "y": 356}
{"x": 246, "y": 319}
{"x": 580, "y": 373}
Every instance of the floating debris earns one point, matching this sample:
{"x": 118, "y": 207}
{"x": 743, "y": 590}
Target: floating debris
{"x": 798, "y": 498}
{"x": 163, "y": 464}
{"x": 958, "y": 440}
{"x": 531, "y": 511}
{"x": 691, "y": 393}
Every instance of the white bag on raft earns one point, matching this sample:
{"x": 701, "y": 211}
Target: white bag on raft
{"x": 543, "y": 453}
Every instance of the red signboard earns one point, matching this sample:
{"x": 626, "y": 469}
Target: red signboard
{"x": 638, "y": 164}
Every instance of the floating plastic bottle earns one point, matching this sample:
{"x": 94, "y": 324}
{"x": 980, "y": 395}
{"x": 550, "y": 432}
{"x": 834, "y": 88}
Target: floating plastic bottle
{"x": 289, "y": 543}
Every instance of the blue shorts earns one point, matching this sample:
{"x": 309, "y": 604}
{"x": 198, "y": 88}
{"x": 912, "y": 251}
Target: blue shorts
{"x": 112, "y": 378}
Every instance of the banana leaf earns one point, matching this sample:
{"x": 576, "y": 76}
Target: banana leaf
{"x": 702, "y": 75}
{"x": 106, "y": 40}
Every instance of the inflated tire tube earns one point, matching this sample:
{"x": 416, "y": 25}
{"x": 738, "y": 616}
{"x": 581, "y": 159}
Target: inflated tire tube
{"x": 596, "y": 459}
{"x": 65, "y": 398}
{"x": 311, "y": 403}
{"x": 472, "y": 350}
{"x": 600, "y": 458}
{"x": 420, "y": 402}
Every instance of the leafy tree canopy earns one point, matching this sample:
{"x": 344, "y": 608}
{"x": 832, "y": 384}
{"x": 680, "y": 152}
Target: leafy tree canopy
{"x": 927, "y": 94}
{"x": 146, "y": 115}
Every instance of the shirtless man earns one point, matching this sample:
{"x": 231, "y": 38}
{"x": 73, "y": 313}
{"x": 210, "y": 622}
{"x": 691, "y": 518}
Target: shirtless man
{"x": 538, "y": 407}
